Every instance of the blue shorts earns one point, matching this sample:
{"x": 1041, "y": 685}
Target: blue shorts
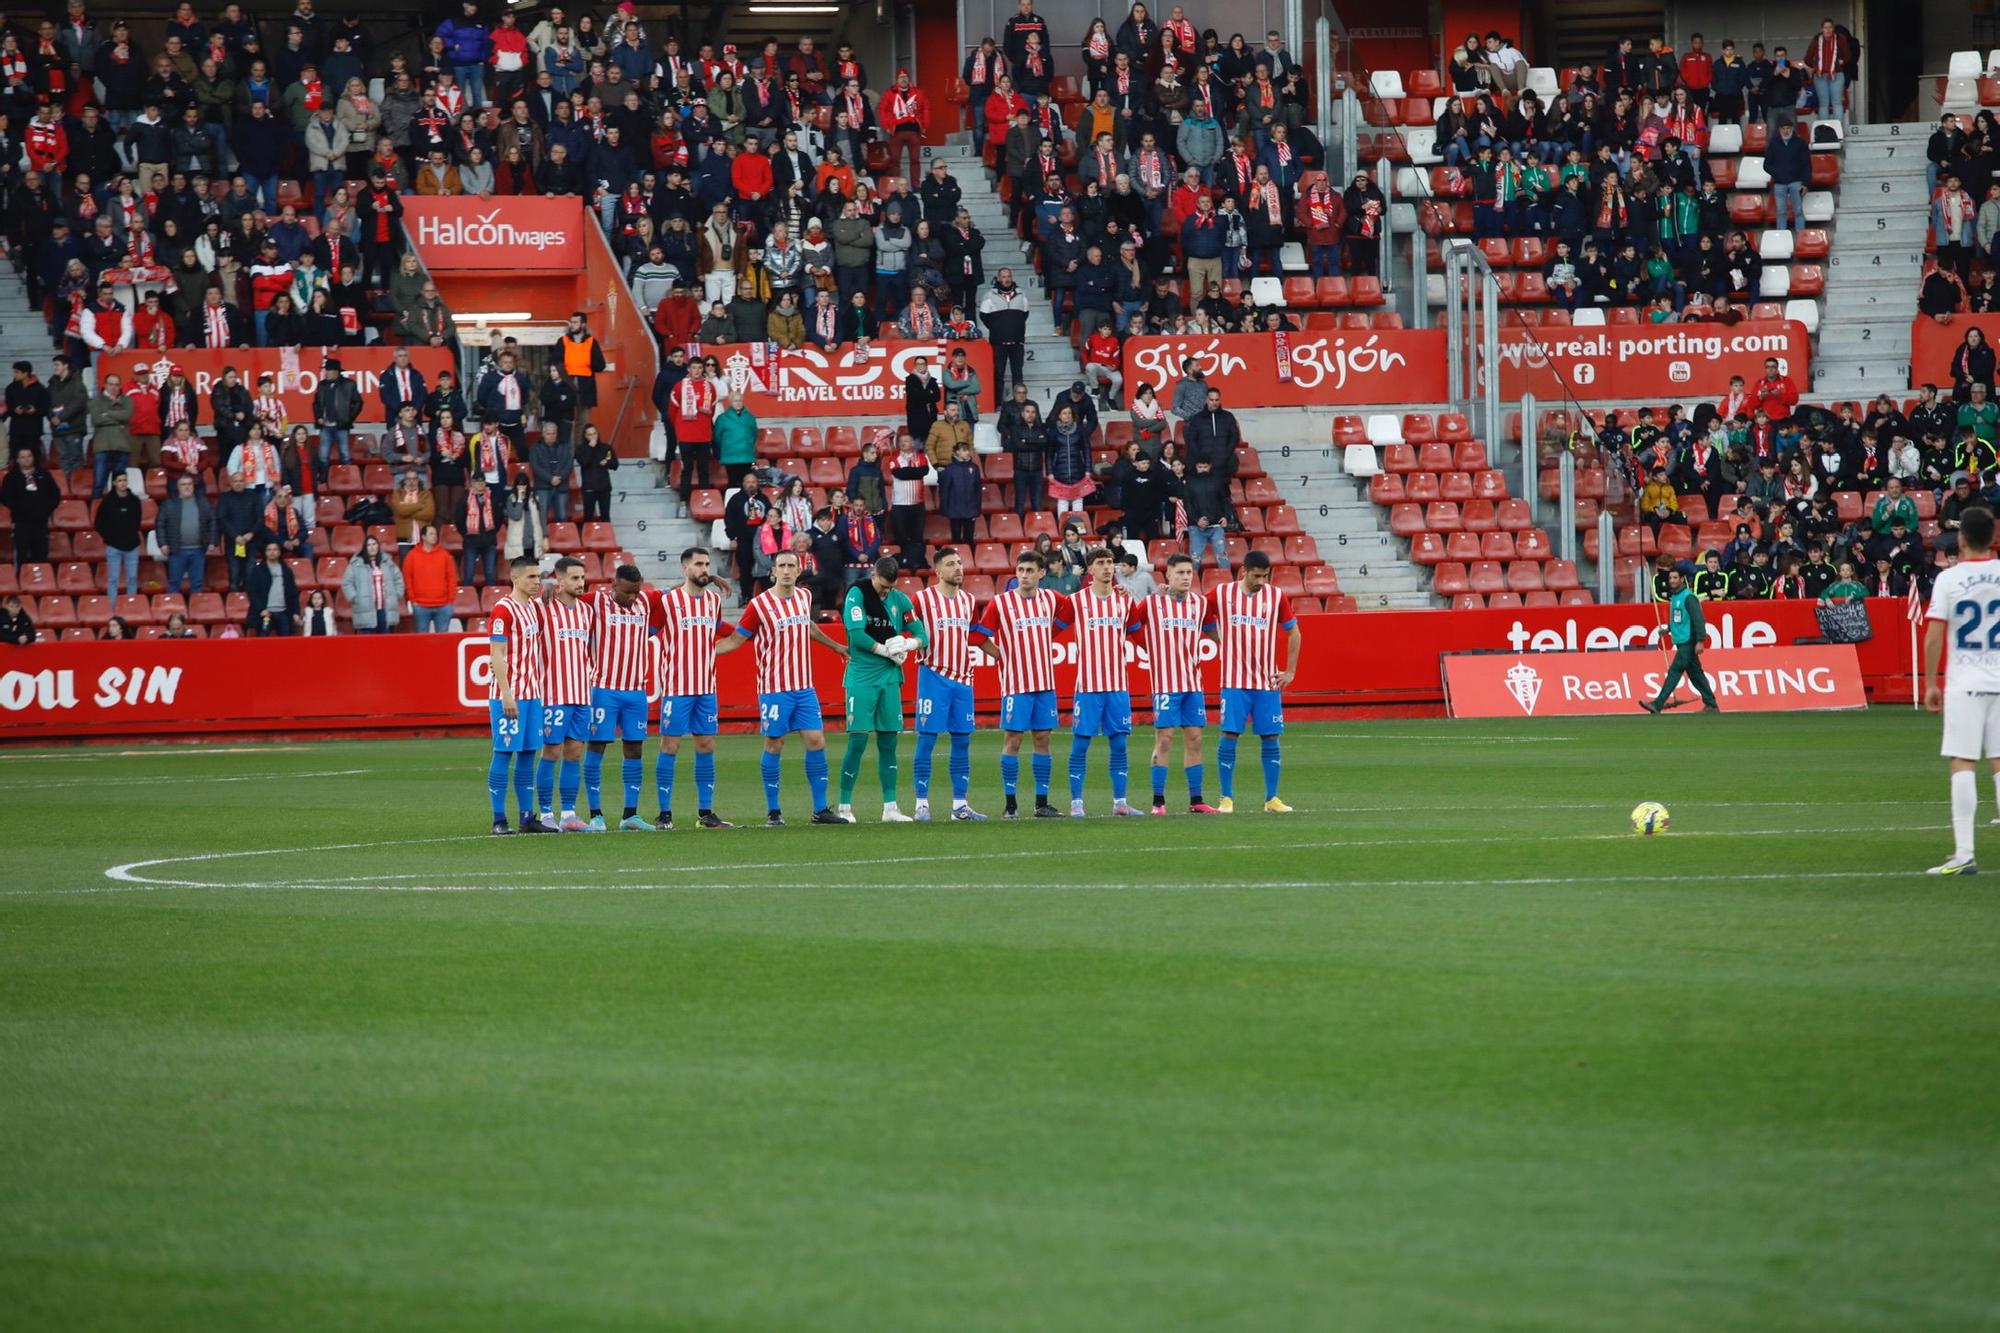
{"x": 1102, "y": 713}
{"x": 565, "y": 722}
{"x": 1033, "y": 711}
{"x": 1261, "y": 711}
{"x": 618, "y": 714}
{"x": 523, "y": 731}
{"x": 785, "y": 712}
{"x": 687, "y": 715}
{"x": 944, "y": 706}
{"x": 1181, "y": 708}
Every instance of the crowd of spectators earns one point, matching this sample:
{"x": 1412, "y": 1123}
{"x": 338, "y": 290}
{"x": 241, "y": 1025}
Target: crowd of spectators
{"x": 1963, "y": 174}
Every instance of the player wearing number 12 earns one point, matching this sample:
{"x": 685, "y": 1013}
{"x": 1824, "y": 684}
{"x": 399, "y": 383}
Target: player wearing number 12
{"x": 780, "y": 622}
{"x": 1244, "y": 618}
{"x": 1019, "y": 628}
{"x": 944, "y": 684}
{"x": 1172, "y": 623}
{"x": 1965, "y": 603}
{"x": 882, "y": 631}
{"x": 1102, "y": 615}
{"x": 621, "y": 666}
{"x": 514, "y": 695}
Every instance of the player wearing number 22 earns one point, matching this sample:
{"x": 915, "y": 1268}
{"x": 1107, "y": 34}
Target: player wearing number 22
{"x": 514, "y": 695}
{"x": 780, "y": 622}
{"x": 1965, "y": 604}
{"x": 567, "y": 624}
{"x": 1244, "y": 618}
{"x": 882, "y": 630}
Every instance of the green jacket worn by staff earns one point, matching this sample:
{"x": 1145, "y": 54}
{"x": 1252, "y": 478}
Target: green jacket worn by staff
{"x": 1688, "y": 629}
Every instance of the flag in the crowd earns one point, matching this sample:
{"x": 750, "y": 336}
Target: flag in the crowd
{"x": 1915, "y": 607}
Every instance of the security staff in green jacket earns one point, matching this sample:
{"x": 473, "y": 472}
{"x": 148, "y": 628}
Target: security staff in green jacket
{"x": 1712, "y": 582}
{"x": 1688, "y": 631}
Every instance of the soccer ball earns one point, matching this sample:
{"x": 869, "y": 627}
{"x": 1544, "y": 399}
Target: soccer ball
{"x": 1650, "y": 817}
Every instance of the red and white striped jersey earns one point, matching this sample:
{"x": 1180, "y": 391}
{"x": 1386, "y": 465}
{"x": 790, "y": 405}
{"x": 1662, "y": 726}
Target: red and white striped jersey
{"x": 1101, "y": 631}
{"x": 690, "y": 623}
{"x": 622, "y": 652}
{"x": 1173, "y": 640}
{"x": 1247, "y": 626}
{"x": 566, "y": 635}
{"x": 948, "y": 618}
{"x": 518, "y": 624}
{"x": 1024, "y": 629}
{"x": 780, "y": 629}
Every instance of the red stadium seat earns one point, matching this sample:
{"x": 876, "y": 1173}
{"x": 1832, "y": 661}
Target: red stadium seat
{"x": 1466, "y": 601}
{"x": 1422, "y": 487}
{"x": 1399, "y": 458}
{"x": 1442, "y": 516}
{"x": 1386, "y": 488}
{"x": 1406, "y": 520}
{"x": 1426, "y": 548}
{"x": 1449, "y": 580}
{"x": 1329, "y": 292}
{"x": 1486, "y": 577}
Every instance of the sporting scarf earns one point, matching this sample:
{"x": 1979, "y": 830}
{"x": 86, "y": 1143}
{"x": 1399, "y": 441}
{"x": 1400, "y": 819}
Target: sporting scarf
{"x": 826, "y": 322}
{"x": 1319, "y": 206}
{"x": 1152, "y": 170}
{"x": 487, "y": 457}
{"x": 175, "y": 405}
{"x": 14, "y": 66}
{"x": 1184, "y": 34}
{"x": 1246, "y": 170}
{"x": 902, "y": 107}
{"x": 1107, "y": 166}
{"x": 315, "y": 93}
{"x": 1124, "y": 83}
{"x": 922, "y": 321}
{"x": 449, "y": 446}
{"x": 1273, "y": 211}
{"x": 218, "y": 325}
{"x": 56, "y": 67}
{"x": 1699, "y": 456}
{"x": 982, "y": 68}
{"x": 267, "y": 407}
{"x": 450, "y": 100}
{"x": 1035, "y": 63}
{"x": 478, "y": 513}
{"x": 696, "y": 397}
{"x": 856, "y": 107}
{"x": 1100, "y": 46}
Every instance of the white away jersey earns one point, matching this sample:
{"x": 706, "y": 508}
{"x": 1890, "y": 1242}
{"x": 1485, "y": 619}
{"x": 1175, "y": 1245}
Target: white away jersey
{"x": 1966, "y": 598}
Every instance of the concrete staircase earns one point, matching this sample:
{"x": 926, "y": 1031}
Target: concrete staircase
{"x": 1873, "y": 272}
{"x": 23, "y": 335}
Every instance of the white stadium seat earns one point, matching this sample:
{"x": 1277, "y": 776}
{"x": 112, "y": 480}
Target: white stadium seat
{"x": 1421, "y": 140}
{"x": 1964, "y": 65}
{"x": 1358, "y": 460}
{"x": 1402, "y": 219}
{"x": 1750, "y": 174}
{"x": 1267, "y": 291}
{"x": 1386, "y": 83}
{"x": 1292, "y": 258}
{"x": 1588, "y": 316}
{"x": 1774, "y": 245}
{"x": 1805, "y": 312}
{"x": 1775, "y": 284}
{"x": 1993, "y": 61}
{"x": 1385, "y": 428}
{"x": 1542, "y": 82}
{"x": 1723, "y": 140}
{"x": 1818, "y": 206}
{"x": 1834, "y": 128}
{"x": 1961, "y": 93}
{"x": 1412, "y": 183}
{"x": 1433, "y": 289}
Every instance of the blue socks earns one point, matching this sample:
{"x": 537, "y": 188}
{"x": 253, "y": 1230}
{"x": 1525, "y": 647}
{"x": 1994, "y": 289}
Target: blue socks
{"x": 1010, "y": 773}
{"x": 663, "y": 781}
{"x": 1121, "y": 767}
{"x": 593, "y": 779}
{"x": 1044, "y": 765}
{"x": 1269, "y": 754}
{"x": 770, "y": 766}
{"x": 572, "y": 776}
{"x": 1079, "y": 760}
{"x": 1225, "y": 764}
{"x": 1159, "y": 784}
{"x": 816, "y": 778}
{"x": 545, "y": 785}
{"x": 926, "y": 745}
{"x": 634, "y": 771}
{"x": 704, "y": 780}
{"x": 1194, "y": 783}
{"x": 961, "y": 765}
{"x": 524, "y": 782}
{"x": 496, "y": 782}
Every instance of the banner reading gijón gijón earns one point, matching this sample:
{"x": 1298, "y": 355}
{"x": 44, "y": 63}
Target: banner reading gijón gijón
{"x": 1293, "y": 369}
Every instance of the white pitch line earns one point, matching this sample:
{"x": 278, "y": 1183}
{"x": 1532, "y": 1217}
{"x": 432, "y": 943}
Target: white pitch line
{"x": 96, "y": 756}
{"x": 182, "y": 780}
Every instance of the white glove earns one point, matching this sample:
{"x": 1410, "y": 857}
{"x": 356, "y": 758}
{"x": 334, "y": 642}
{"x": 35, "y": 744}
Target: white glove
{"x": 897, "y": 658}
{"x": 901, "y": 645}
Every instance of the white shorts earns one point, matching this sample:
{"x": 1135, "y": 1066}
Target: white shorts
{"x": 1971, "y": 725}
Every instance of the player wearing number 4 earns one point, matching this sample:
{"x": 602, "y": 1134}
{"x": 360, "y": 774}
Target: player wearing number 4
{"x": 566, "y": 698}
{"x": 1172, "y": 622}
{"x": 621, "y": 677}
{"x": 514, "y": 695}
{"x": 1244, "y": 618}
{"x": 1965, "y": 602}
{"x": 691, "y": 625}
{"x": 1103, "y": 617}
{"x": 1019, "y": 628}
{"x": 882, "y": 631}
{"x": 944, "y": 684}
{"x": 780, "y": 622}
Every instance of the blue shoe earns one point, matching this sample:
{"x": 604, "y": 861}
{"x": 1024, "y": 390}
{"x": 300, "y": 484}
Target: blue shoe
{"x": 636, "y": 824}
{"x": 966, "y": 814}
{"x": 597, "y": 823}
{"x": 922, "y": 814}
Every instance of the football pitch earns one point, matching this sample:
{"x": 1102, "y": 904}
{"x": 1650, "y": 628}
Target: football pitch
{"x": 288, "y": 1042}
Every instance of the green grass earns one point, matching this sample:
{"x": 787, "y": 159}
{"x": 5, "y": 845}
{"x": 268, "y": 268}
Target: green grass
{"x": 1447, "y": 1049}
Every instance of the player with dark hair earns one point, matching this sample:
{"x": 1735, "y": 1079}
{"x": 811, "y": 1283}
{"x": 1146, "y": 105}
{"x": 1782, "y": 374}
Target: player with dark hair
{"x": 621, "y": 665}
{"x": 514, "y": 694}
{"x": 1171, "y": 621}
{"x": 779, "y": 621}
{"x": 566, "y": 631}
{"x": 944, "y": 684}
{"x": 882, "y": 631}
{"x": 1102, "y": 615}
{"x": 1244, "y": 618}
{"x": 1019, "y": 628}
{"x": 693, "y": 637}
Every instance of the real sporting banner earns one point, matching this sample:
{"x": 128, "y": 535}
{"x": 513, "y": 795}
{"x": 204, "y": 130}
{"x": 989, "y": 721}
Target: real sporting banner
{"x": 460, "y": 234}
{"x": 1932, "y": 346}
{"x": 837, "y": 381}
{"x": 1745, "y": 680}
{"x": 1295, "y": 369}
{"x": 297, "y": 369}
{"x": 1647, "y": 362}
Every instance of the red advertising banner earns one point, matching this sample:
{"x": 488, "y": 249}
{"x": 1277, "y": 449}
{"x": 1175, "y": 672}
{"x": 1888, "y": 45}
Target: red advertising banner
{"x": 411, "y": 682}
{"x": 1754, "y": 680}
{"x": 456, "y": 234}
{"x": 836, "y": 381}
{"x": 1648, "y": 361}
{"x": 297, "y": 369}
{"x": 1932, "y": 346}
{"x": 1299, "y": 369}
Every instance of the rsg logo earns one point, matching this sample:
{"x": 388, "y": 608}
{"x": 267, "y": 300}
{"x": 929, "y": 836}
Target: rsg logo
{"x": 486, "y": 232}
{"x": 475, "y": 671}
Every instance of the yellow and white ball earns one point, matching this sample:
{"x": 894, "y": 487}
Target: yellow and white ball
{"x": 1650, "y": 817}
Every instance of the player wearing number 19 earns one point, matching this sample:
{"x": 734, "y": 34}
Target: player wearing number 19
{"x": 882, "y": 630}
{"x": 621, "y": 684}
{"x": 944, "y": 684}
{"x": 780, "y": 622}
{"x": 515, "y": 694}
{"x": 1965, "y": 602}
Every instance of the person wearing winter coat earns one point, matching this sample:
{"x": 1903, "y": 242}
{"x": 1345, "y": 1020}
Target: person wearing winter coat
{"x": 1070, "y": 481}
{"x": 527, "y": 531}
{"x": 374, "y": 588}
{"x": 959, "y": 485}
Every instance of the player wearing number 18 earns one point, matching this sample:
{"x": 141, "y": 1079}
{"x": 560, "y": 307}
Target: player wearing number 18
{"x": 944, "y": 684}
{"x": 1244, "y": 618}
{"x": 882, "y": 631}
{"x": 1965, "y": 603}
{"x": 779, "y": 621}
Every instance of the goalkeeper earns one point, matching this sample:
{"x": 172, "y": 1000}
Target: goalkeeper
{"x": 882, "y": 630}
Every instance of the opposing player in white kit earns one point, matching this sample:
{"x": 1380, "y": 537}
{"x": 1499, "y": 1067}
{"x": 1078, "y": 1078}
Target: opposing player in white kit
{"x": 1965, "y": 603}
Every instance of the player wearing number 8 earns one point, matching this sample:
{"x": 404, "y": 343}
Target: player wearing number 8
{"x": 691, "y": 624}
{"x": 780, "y": 622}
{"x": 1965, "y": 603}
{"x": 1019, "y": 628}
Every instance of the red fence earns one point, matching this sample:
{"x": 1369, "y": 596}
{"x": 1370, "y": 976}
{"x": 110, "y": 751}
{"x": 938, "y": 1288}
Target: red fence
{"x": 403, "y": 682}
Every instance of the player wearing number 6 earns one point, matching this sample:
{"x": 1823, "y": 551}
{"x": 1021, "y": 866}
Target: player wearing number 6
{"x": 1965, "y": 603}
{"x": 514, "y": 695}
{"x": 1172, "y": 623}
{"x": 780, "y": 622}
{"x": 944, "y": 684}
{"x": 1244, "y": 618}
{"x": 882, "y": 630}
